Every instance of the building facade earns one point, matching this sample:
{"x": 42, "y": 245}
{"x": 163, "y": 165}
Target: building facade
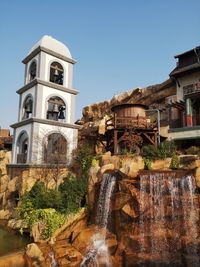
{"x": 45, "y": 131}
{"x": 185, "y": 121}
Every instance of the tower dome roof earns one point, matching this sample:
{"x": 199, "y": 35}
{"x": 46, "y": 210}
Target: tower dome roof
{"x": 52, "y": 44}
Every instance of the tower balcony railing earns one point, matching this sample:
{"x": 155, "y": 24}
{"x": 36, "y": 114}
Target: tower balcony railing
{"x": 21, "y": 158}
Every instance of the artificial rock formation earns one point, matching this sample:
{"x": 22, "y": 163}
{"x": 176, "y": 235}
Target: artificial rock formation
{"x": 131, "y": 204}
{"x": 14, "y": 182}
{"x": 155, "y": 97}
{"x": 148, "y": 96}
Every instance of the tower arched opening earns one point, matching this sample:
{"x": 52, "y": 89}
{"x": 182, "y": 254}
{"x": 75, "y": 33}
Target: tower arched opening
{"x": 56, "y": 73}
{"x": 56, "y": 109}
{"x": 55, "y": 149}
{"x": 22, "y": 147}
{"x": 32, "y": 71}
{"x": 27, "y": 107}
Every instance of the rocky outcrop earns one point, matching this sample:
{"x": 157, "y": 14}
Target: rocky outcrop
{"x": 147, "y": 96}
{"x": 13, "y": 260}
{"x": 14, "y": 182}
{"x": 34, "y": 256}
{"x": 73, "y": 225}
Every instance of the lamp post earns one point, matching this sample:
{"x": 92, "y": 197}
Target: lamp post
{"x": 158, "y": 122}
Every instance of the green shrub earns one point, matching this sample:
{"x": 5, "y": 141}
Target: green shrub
{"x": 68, "y": 198}
{"x": 51, "y": 206}
{"x": 49, "y": 218}
{"x": 147, "y": 164}
{"x": 174, "y": 164}
{"x": 73, "y": 191}
{"x": 149, "y": 152}
{"x": 41, "y": 198}
{"x": 164, "y": 150}
{"x": 83, "y": 156}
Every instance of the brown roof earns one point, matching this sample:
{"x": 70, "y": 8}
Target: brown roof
{"x": 191, "y": 68}
{"x": 187, "y": 52}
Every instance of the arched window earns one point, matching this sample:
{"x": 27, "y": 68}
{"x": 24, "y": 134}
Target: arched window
{"x": 55, "y": 150}
{"x": 56, "y": 73}
{"x": 32, "y": 71}
{"x": 22, "y": 148}
{"x": 56, "y": 109}
{"x": 27, "y": 108}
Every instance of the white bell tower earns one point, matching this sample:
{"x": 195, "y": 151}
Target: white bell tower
{"x": 45, "y": 131}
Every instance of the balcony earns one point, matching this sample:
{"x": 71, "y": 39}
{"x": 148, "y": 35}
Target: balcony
{"x": 130, "y": 123}
{"x": 182, "y": 122}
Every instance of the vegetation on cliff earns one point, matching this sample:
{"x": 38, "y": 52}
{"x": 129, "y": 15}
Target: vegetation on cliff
{"x": 51, "y": 207}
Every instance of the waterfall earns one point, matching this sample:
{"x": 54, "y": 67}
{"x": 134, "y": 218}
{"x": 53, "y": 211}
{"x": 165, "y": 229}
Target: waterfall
{"x": 99, "y": 247}
{"x": 103, "y": 206}
{"x": 53, "y": 260}
{"x": 168, "y": 220}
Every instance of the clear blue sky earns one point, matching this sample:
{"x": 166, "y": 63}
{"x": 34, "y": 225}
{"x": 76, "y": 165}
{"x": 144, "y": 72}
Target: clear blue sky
{"x": 119, "y": 44}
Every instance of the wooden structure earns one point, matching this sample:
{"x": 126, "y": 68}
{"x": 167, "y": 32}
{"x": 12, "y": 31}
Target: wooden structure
{"x": 5, "y": 139}
{"x": 130, "y": 128}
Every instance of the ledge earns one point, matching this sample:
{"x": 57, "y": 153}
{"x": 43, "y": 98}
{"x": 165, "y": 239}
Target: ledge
{"x": 48, "y": 84}
{"x": 48, "y": 51}
{"x": 184, "y": 129}
{"x": 33, "y": 166}
{"x": 45, "y": 121}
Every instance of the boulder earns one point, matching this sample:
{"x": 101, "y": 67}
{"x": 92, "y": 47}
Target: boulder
{"x": 108, "y": 159}
{"x": 131, "y": 166}
{"x": 14, "y": 184}
{"x": 194, "y": 164}
{"x": 34, "y": 256}
{"x": 105, "y": 158}
{"x": 127, "y": 209}
{"x": 16, "y": 224}
{"x": 4, "y": 183}
{"x": 197, "y": 177}
{"x": 107, "y": 167}
{"x": 162, "y": 164}
{"x": 120, "y": 199}
{"x": 93, "y": 179}
{"x": 37, "y": 231}
{"x": 92, "y": 237}
{"x": 73, "y": 225}
{"x": 5, "y": 214}
{"x": 13, "y": 260}
{"x": 85, "y": 239}
{"x": 5, "y": 158}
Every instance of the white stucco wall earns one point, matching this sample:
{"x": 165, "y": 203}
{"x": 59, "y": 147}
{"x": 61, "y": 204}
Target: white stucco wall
{"x": 41, "y": 132}
{"x": 30, "y": 91}
{"x": 43, "y": 95}
{"x": 45, "y": 63}
{"x": 36, "y": 59}
{"x": 36, "y": 131}
{"x": 18, "y": 131}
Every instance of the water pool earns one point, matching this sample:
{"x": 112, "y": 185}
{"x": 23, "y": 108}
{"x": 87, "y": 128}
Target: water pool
{"x": 11, "y": 241}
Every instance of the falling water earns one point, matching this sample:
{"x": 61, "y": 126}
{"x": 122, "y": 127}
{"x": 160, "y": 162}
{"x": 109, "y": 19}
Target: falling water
{"x": 99, "y": 247}
{"x": 53, "y": 260}
{"x": 103, "y": 207}
{"x": 168, "y": 221}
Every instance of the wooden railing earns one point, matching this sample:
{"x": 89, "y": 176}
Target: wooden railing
{"x": 130, "y": 122}
{"x": 182, "y": 122}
